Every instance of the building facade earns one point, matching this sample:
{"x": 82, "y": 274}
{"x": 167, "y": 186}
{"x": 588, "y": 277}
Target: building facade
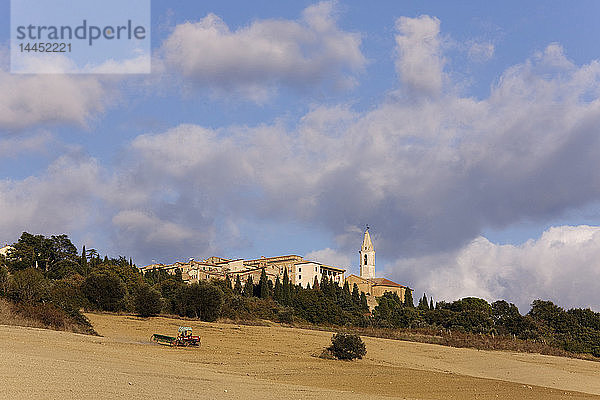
{"x": 367, "y": 282}
{"x": 300, "y": 271}
{"x": 4, "y": 250}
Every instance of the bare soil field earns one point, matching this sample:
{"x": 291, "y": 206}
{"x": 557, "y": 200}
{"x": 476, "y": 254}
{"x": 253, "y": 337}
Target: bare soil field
{"x": 268, "y": 362}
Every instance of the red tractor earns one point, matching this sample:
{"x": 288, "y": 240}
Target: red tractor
{"x": 184, "y": 338}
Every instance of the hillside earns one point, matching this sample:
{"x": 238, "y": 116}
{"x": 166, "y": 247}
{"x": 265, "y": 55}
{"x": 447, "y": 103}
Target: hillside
{"x": 259, "y": 362}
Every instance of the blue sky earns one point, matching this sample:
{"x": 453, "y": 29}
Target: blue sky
{"x": 464, "y": 133}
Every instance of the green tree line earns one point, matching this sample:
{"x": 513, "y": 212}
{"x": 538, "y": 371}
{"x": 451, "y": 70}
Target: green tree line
{"x": 50, "y": 271}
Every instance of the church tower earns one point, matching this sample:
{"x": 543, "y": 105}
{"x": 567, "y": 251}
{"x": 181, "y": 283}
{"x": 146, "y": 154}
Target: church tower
{"x": 367, "y": 257}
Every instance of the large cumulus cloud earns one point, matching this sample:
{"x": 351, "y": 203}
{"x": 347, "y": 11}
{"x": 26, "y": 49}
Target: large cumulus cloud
{"x": 561, "y": 265}
{"x": 430, "y": 174}
{"x": 253, "y": 61}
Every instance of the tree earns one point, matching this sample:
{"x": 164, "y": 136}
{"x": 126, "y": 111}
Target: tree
{"x": 28, "y": 286}
{"x": 201, "y": 300}
{"x": 147, "y": 301}
{"x": 316, "y": 285}
{"x": 277, "y": 290}
{"x": 105, "y": 291}
{"x": 345, "y": 299}
{"x": 345, "y": 346}
{"x": 237, "y": 288}
{"x": 431, "y": 306}
{"x": 170, "y": 290}
{"x": 286, "y": 293}
{"x": 423, "y": 303}
{"x": 56, "y": 256}
{"x": 263, "y": 284}
{"x": 249, "y": 287}
{"x": 408, "y": 298}
{"x": 507, "y": 318}
{"x": 4, "y": 280}
{"x": 363, "y": 302}
{"x": 386, "y": 307}
{"x": 26, "y": 252}
{"x": 471, "y": 304}
{"x": 355, "y": 296}
{"x": 83, "y": 262}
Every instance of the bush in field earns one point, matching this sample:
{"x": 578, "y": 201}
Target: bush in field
{"x": 4, "y": 280}
{"x": 28, "y": 286}
{"x": 201, "y": 300}
{"x": 346, "y": 346}
{"x": 147, "y": 301}
{"x": 105, "y": 291}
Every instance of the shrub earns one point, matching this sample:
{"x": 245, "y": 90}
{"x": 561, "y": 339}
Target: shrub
{"x": 28, "y": 286}
{"x": 346, "y": 346}
{"x": 106, "y": 291}
{"x": 286, "y": 315}
{"x": 200, "y": 300}
{"x": 147, "y": 301}
{"x": 4, "y": 280}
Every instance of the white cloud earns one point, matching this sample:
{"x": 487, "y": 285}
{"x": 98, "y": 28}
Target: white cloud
{"x": 137, "y": 229}
{"x": 420, "y": 62}
{"x": 563, "y": 265}
{"x": 481, "y": 51}
{"x": 27, "y": 100}
{"x": 429, "y": 176}
{"x": 31, "y": 144}
{"x": 254, "y": 60}
{"x": 330, "y": 257}
{"x": 58, "y": 201}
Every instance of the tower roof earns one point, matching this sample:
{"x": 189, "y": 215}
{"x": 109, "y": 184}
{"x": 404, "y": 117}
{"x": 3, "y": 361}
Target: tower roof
{"x": 367, "y": 245}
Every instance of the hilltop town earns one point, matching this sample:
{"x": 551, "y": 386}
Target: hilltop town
{"x": 302, "y": 272}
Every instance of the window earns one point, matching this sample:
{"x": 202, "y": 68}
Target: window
{"x": 315, "y": 269}
{"x": 365, "y": 259}
{"x": 299, "y": 277}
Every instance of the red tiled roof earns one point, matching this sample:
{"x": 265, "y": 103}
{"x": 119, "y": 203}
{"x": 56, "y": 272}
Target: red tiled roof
{"x": 385, "y": 282}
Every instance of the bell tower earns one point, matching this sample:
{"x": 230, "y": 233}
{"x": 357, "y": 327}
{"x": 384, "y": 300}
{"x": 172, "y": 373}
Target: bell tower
{"x": 367, "y": 257}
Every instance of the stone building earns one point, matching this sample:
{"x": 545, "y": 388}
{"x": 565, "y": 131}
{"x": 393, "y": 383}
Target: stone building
{"x": 300, "y": 271}
{"x": 4, "y": 250}
{"x": 367, "y": 282}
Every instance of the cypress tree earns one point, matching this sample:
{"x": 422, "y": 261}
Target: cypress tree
{"x": 408, "y": 298}
{"x": 227, "y": 282}
{"x": 355, "y": 296}
{"x": 249, "y": 287}
{"x": 363, "y": 302}
{"x": 286, "y": 295}
{"x": 431, "y": 306}
{"x": 346, "y": 296}
{"x": 237, "y": 289}
{"x": 264, "y": 289}
{"x": 316, "y": 284}
{"x": 83, "y": 262}
{"x": 324, "y": 283}
{"x": 423, "y": 303}
{"x": 277, "y": 290}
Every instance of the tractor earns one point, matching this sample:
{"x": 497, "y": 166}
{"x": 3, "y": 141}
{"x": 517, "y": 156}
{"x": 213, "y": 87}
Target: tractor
{"x": 184, "y": 338}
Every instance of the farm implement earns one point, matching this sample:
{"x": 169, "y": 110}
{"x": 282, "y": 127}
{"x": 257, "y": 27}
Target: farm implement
{"x": 184, "y": 338}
